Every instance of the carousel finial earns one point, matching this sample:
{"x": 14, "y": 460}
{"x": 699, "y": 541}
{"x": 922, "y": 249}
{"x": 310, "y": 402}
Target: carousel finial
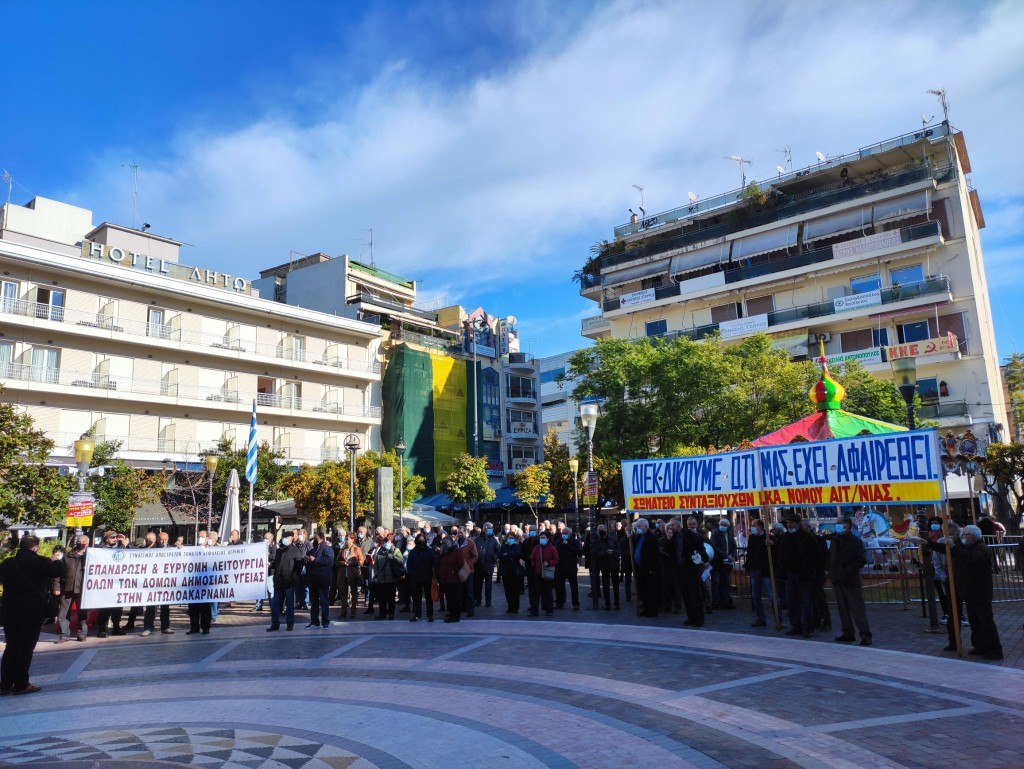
{"x": 827, "y": 393}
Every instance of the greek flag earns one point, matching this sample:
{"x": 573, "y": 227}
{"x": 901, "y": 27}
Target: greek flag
{"x": 250, "y": 457}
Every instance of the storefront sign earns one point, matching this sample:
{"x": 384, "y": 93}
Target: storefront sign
{"x": 637, "y": 297}
{"x": 945, "y": 344}
{"x": 858, "y": 301}
{"x": 144, "y": 263}
{"x": 888, "y": 469}
{"x": 865, "y": 244}
{"x": 522, "y": 428}
{"x": 81, "y": 506}
{"x": 730, "y": 329}
{"x": 152, "y": 576}
{"x": 495, "y": 469}
{"x": 867, "y": 357}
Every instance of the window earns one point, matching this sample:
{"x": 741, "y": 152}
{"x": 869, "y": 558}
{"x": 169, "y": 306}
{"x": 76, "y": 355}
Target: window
{"x": 6, "y": 360}
{"x": 761, "y": 304}
{"x": 955, "y": 323}
{"x": 654, "y": 282}
{"x": 520, "y": 456}
{"x": 904, "y": 275}
{"x": 851, "y": 341}
{"x": 879, "y": 337}
{"x": 521, "y": 422}
{"x": 865, "y": 283}
{"x": 490, "y": 392}
{"x": 49, "y": 304}
{"x": 928, "y": 389}
{"x": 656, "y": 327}
{"x": 521, "y": 387}
{"x": 491, "y": 450}
{"x": 547, "y": 377}
{"x": 721, "y": 312}
{"x": 156, "y": 324}
{"x": 45, "y": 365}
{"x": 913, "y": 332}
{"x": 9, "y": 296}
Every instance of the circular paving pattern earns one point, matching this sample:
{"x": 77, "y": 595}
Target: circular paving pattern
{"x": 505, "y": 694}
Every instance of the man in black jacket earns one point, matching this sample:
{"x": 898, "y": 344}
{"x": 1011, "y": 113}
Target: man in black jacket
{"x": 758, "y": 570}
{"x": 606, "y": 558}
{"x": 972, "y": 572}
{"x": 569, "y": 549}
{"x": 287, "y": 576}
{"x": 724, "y": 544}
{"x": 24, "y": 578}
{"x": 647, "y": 566}
{"x": 319, "y": 567}
{"x": 799, "y": 561}
{"x": 846, "y": 558}
{"x": 691, "y": 558}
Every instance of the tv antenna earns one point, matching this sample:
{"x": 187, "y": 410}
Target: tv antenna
{"x": 925, "y": 120}
{"x": 135, "y": 191}
{"x": 639, "y": 188}
{"x": 10, "y": 184}
{"x": 941, "y": 93}
{"x": 741, "y": 162}
{"x": 787, "y": 152}
{"x": 370, "y": 245}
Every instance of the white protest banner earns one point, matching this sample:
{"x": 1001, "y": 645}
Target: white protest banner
{"x": 152, "y": 576}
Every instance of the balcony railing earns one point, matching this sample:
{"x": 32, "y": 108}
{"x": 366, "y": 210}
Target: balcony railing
{"x": 92, "y": 381}
{"x": 934, "y": 285}
{"x": 788, "y": 207}
{"x": 522, "y": 395}
{"x": 168, "y": 333}
{"x": 948, "y": 410}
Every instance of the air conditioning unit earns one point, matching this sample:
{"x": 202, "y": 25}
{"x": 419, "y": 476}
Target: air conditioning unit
{"x": 813, "y": 339}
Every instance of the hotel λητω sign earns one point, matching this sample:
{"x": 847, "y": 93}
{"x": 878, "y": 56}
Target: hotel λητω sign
{"x": 889, "y": 469}
{"x": 169, "y": 269}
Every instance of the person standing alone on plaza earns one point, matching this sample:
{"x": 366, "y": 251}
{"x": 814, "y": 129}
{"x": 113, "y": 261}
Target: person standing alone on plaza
{"x": 25, "y": 578}
{"x": 847, "y": 557}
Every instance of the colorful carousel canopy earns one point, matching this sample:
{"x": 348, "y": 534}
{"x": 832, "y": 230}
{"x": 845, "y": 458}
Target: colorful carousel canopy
{"x": 830, "y": 421}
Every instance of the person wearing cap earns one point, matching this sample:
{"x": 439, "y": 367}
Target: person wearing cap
{"x": 25, "y": 579}
{"x": 846, "y": 558}
{"x": 799, "y": 561}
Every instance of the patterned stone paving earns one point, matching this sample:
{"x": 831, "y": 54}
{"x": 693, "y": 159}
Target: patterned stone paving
{"x": 507, "y": 694}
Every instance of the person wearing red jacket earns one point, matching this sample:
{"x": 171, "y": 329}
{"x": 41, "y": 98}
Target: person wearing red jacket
{"x": 544, "y": 555}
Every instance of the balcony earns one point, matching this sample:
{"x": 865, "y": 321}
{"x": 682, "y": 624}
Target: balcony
{"x": 595, "y": 325}
{"x": 948, "y": 414}
{"x": 936, "y": 285}
{"x": 11, "y": 373}
{"x": 735, "y": 273}
{"x": 520, "y": 360}
{"x": 167, "y": 333}
{"x": 516, "y": 395}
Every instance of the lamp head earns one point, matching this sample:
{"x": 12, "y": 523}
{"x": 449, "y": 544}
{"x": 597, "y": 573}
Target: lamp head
{"x": 574, "y": 465}
{"x": 905, "y": 370}
{"x": 84, "y": 448}
{"x": 211, "y": 462}
{"x": 400, "y": 446}
{"x": 352, "y": 442}
{"x": 589, "y": 412}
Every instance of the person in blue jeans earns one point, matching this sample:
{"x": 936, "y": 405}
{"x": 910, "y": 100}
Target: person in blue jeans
{"x": 758, "y": 571}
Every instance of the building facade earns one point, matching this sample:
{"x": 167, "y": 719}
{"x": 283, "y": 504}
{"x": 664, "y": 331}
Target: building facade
{"x": 559, "y": 409}
{"x": 876, "y": 253}
{"x": 103, "y": 329}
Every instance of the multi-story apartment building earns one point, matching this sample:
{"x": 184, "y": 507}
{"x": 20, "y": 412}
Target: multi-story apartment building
{"x": 877, "y": 253}
{"x": 429, "y": 355}
{"x": 104, "y": 329}
{"x": 559, "y": 410}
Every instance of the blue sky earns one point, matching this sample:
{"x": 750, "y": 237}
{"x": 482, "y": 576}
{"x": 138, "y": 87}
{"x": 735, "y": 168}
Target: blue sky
{"x": 488, "y": 144}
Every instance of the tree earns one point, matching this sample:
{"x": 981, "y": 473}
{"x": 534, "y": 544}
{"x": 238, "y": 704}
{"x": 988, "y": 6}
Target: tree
{"x": 467, "y": 482}
{"x": 319, "y": 491}
{"x": 29, "y": 490}
{"x": 122, "y": 489}
{"x": 556, "y": 457}
{"x": 1015, "y": 384}
{"x": 871, "y": 397}
{"x": 1005, "y": 463}
{"x": 271, "y": 470}
{"x": 532, "y": 485}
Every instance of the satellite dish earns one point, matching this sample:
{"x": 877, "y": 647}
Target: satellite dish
{"x": 692, "y": 196}
{"x": 511, "y": 320}
{"x": 821, "y": 157}
{"x": 780, "y": 169}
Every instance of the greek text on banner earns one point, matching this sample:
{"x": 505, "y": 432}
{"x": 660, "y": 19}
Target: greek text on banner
{"x": 893, "y": 468}
{"x": 152, "y": 576}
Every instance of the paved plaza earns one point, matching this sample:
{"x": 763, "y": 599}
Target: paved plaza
{"x": 495, "y": 692}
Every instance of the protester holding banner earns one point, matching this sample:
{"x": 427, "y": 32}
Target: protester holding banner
{"x": 149, "y": 614}
{"x": 25, "y": 578}
{"x": 71, "y": 591}
{"x": 200, "y": 613}
{"x": 112, "y": 615}
{"x": 692, "y": 559}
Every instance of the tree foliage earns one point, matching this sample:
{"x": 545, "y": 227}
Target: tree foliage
{"x": 872, "y": 397}
{"x": 271, "y": 471}
{"x": 29, "y": 491}
{"x": 1004, "y": 462}
{"x": 556, "y": 457}
{"x": 1015, "y": 384}
{"x": 467, "y": 482}
{"x": 122, "y": 489}
{"x": 533, "y": 485}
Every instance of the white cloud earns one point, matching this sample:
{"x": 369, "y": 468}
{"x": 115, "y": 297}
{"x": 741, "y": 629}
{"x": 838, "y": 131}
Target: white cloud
{"x": 492, "y": 180}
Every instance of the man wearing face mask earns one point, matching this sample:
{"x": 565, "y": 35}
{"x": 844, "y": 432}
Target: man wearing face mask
{"x": 606, "y": 558}
{"x": 569, "y": 549}
{"x": 799, "y": 561}
{"x": 506, "y": 529}
{"x": 420, "y": 564}
{"x": 471, "y": 556}
{"x": 511, "y": 571}
{"x": 758, "y": 570}
{"x": 532, "y": 580}
{"x": 647, "y": 564}
{"x": 846, "y": 558}
{"x": 200, "y": 615}
{"x": 543, "y": 557}
{"x": 692, "y": 559}
{"x": 112, "y": 540}
{"x": 625, "y": 559}
{"x": 388, "y": 570}
{"x": 724, "y": 543}
{"x": 487, "y": 547}
{"x": 71, "y": 591}
{"x": 287, "y": 573}
{"x": 972, "y": 574}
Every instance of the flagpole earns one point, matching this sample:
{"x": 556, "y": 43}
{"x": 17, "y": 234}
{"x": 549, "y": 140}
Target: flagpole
{"x": 250, "y": 465}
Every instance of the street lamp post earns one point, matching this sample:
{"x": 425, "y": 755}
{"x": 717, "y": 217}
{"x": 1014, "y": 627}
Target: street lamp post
{"x": 400, "y": 450}
{"x": 84, "y": 448}
{"x": 473, "y": 326}
{"x": 905, "y": 370}
{"x": 352, "y": 446}
{"x": 574, "y": 468}
{"x": 211, "y": 469}
{"x": 589, "y": 412}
